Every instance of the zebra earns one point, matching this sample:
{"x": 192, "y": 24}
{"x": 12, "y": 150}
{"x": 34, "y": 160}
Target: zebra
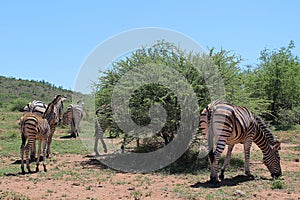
{"x": 36, "y": 106}
{"x": 73, "y": 116}
{"x": 99, "y": 131}
{"x": 33, "y": 127}
{"x": 230, "y": 125}
{"x": 53, "y": 115}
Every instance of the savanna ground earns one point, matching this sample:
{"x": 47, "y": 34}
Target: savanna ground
{"x": 74, "y": 174}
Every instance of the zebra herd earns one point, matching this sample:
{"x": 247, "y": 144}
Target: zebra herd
{"x": 223, "y": 122}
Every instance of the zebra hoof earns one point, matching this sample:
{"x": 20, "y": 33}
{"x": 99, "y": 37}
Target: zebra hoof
{"x": 45, "y": 169}
{"x": 32, "y": 159}
{"x": 214, "y": 180}
{"x": 37, "y": 169}
{"x": 221, "y": 177}
{"x": 22, "y": 170}
{"x": 250, "y": 176}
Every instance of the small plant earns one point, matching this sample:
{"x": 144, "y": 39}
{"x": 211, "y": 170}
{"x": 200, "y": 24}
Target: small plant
{"x": 88, "y": 187}
{"x": 277, "y": 184}
{"x": 137, "y": 195}
{"x": 49, "y": 191}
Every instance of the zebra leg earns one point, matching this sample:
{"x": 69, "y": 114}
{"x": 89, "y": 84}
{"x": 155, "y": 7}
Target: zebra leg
{"x": 214, "y": 158}
{"x": 44, "y": 154}
{"x": 27, "y": 149}
{"x": 49, "y": 144}
{"x": 96, "y": 145}
{"x": 103, "y": 144}
{"x": 33, "y": 152}
{"x": 22, "y": 149}
{"x": 97, "y": 137}
{"x": 247, "y": 148}
{"x": 38, "y": 158}
{"x": 228, "y": 156}
{"x": 73, "y": 129}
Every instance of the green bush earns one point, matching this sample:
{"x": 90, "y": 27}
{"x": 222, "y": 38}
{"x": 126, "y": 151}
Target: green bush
{"x": 277, "y": 184}
{"x": 18, "y": 104}
{"x": 287, "y": 119}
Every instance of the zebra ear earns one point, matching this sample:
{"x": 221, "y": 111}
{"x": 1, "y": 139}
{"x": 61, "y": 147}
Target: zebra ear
{"x": 276, "y": 146}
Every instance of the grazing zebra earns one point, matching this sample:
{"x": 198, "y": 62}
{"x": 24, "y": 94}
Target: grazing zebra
{"x": 230, "y": 125}
{"x": 99, "y": 131}
{"x": 73, "y": 116}
{"x": 53, "y": 115}
{"x": 33, "y": 127}
{"x": 36, "y": 107}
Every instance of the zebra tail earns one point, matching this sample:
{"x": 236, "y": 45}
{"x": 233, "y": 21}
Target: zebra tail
{"x": 210, "y": 136}
{"x": 211, "y": 145}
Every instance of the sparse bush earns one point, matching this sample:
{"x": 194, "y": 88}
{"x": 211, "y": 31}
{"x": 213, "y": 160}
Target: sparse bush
{"x": 287, "y": 119}
{"x": 277, "y": 184}
{"x": 18, "y": 104}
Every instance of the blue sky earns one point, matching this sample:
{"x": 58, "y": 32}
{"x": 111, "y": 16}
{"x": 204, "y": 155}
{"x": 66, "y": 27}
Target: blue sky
{"x": 49, "y": 40}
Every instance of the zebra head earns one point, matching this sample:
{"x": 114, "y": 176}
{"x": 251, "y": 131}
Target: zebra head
{"x": 272, "y": 160}
{"x": 55, "y": 108}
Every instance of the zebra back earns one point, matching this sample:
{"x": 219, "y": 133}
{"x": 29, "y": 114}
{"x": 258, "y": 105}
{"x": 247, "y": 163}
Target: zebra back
{"x": 36, "y": 106}
{"x": 33, "y": 126}
{"x": 73, "y": 114}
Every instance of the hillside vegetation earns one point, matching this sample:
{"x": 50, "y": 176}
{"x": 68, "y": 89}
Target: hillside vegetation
{"x": 16, "y": 93}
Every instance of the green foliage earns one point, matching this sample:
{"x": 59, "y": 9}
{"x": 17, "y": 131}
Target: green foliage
{"x": 271, "y": 89}
{"x": 18, "y": 104}
{"x": 288, "y": 118}
{"x": 278, "y": 77}
{"x": 143, "y": 98}
{"x": 239, "y": 86}
{"x": 277, "y": 184}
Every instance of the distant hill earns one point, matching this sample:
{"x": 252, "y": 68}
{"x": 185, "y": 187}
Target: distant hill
{"x": 14, "y": 93}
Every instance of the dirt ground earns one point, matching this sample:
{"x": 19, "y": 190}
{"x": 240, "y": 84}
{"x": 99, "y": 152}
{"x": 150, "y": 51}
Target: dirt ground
{"x": 82, "y": 177}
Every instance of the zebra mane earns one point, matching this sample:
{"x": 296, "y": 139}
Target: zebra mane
{"x": 55, "y": 108}
{"x": 263, "y": 129}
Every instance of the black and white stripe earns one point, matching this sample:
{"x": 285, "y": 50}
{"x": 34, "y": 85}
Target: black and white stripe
{"x": 230, "y": 125}
{"x": 33, "y": 127}
{"x": 53, "y": 115}
{"x": 73, "y": 116}
{"x": 39, "y": 108}
{"x": 99, "y": 132}
{"x": 36, "y": 106}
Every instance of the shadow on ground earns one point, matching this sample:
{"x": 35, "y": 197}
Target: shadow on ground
{"x": 92, "y": 162}
{"x": 226, "y": 182}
